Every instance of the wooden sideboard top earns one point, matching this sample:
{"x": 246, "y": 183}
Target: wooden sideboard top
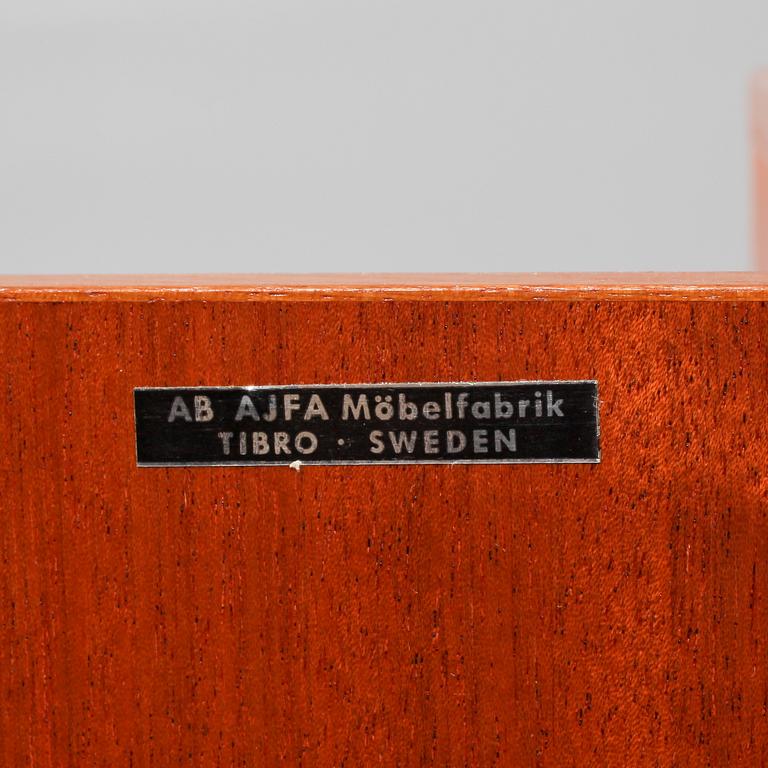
{"x": 422, "y": 286}
{"x": 485, "y": 615}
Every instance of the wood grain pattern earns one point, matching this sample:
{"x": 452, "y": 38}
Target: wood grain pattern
{"x": 643, "y": 286}
{"x": 531, "y": 615}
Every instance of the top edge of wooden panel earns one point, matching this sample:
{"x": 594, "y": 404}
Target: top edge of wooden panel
{"x": 541, "y": 286}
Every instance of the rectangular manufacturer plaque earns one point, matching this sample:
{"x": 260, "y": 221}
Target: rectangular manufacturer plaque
{"x": 423, "y": 423}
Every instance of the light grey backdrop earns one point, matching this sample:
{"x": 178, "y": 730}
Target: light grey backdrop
{"x": 376, "y": 135}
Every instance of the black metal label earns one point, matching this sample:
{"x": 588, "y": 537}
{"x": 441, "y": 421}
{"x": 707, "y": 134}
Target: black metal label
{"x": 427, "y": 423}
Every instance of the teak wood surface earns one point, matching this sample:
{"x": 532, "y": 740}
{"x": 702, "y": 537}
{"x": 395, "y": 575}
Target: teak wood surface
{"x": 613, "y": 614}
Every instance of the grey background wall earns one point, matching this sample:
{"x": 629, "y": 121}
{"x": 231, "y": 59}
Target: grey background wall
{"x": 376, "y": 135}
